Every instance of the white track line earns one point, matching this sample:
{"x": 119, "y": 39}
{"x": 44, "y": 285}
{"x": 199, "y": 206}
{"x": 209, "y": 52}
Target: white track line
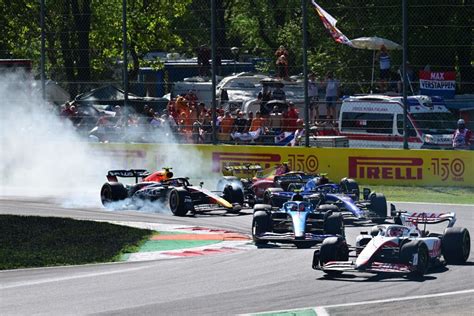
{"x": 431, "y": 203}
{"x": 322, "y": 310}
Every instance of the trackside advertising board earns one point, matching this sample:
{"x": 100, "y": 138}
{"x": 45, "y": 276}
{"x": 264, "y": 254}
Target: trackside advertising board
{"x": 367, "y": 166}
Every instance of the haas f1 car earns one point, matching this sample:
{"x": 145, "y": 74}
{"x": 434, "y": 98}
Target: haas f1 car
{"x": 296, "y": 222}
{"x": 177, "y": 193}
{"x": 345, "y": 195}
{"x": 403, "y": 247}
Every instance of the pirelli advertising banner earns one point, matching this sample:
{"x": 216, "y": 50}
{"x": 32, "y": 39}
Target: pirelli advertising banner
{"x": 367, "y": 166}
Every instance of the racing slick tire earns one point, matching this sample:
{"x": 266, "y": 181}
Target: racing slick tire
{"x": 261, "y": 223}
{"x": 420, "y": 262}
{"x": 350, "y": 186}
{"x": 333, "y": 249}
{"x": 334, "y": 224}
{"x": 456, "y": 245}
{"x": 378, "y": 205}
{"x": 113, "y": 192}
{"x": 176, "y": 201}
{"x": 267, "y": 196}
{"x": 233, "y": 194}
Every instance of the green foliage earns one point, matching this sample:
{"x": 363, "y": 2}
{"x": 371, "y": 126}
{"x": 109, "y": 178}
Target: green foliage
{"x": 30, "y": 241}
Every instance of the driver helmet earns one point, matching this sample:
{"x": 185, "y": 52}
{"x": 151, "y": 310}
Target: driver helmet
{"x": 461, "y": 124}
{"x": 395, "y": 231}
{"x": 323, "y": 179}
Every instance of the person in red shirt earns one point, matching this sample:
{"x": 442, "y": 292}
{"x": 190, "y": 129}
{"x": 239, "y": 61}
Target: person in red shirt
{"x": 291, "y": 117}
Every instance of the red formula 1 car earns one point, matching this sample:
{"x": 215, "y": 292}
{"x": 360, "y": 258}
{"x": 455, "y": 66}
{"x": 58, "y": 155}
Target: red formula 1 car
{"x": 161, "y": 186}
{"x": 254, "y": 181}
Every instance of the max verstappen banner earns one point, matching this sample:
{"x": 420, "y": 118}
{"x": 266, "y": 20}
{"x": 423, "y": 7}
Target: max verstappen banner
{"x": 438, "y": 83}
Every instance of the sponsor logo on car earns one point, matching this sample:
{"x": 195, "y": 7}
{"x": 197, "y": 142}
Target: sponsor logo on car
{"x": 386, "y": 168}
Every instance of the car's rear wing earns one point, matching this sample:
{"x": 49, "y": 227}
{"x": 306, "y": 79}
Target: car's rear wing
{"x": 427, "y": 218}
{"x": 112, "y": 175}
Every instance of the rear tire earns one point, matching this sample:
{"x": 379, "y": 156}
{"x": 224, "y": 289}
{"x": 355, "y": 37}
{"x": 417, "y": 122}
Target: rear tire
{"x": 176, "y": 200}
{"x": 409, "y": 250}
{"x": 113, "y": 192}
{"x": 267, "y": 199}
{"x": 456, "y": 245}
{"x": 261, "y": 224}
{"x": 333, "y": 249}
{"x": 378, "y": 205}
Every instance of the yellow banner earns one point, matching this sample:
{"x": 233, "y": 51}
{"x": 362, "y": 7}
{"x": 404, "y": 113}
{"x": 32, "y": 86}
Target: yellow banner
{"x": 367, "y": 166}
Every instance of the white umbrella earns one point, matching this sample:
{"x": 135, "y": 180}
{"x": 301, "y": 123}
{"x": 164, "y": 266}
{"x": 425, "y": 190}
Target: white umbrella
{"x": 374, "y": 43}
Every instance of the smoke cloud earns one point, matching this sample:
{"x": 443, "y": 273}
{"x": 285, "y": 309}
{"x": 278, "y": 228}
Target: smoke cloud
{"x": 42, "y": 154}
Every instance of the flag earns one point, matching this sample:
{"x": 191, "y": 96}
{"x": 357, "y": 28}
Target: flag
{"x": 330, "y": 24}
{"x": 284, "y": 139}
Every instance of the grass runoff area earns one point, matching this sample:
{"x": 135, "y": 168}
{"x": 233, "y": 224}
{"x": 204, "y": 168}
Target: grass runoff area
{"x": 33, "y": 241}
{"x": 452, "y": 195}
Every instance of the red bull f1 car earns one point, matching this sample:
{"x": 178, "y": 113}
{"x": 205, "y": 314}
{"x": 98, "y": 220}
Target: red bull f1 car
{"x": 176, "y": 193}
{"x": 404, "y": 247}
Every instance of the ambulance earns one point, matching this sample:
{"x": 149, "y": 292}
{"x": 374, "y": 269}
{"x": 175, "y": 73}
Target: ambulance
{"x": 377, "y": 121}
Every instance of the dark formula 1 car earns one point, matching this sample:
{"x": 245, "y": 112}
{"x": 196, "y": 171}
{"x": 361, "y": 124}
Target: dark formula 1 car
{"x": 398, "y": 248}
{"x": 345, "y": 195}
{"x": 254, "y": 183}
{"x": 177, "y": 193}
{"x": 296, "y": 222}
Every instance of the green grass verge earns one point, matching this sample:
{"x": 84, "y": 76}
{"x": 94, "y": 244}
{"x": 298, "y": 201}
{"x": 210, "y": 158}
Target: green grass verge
{"x": 425, "y": 194}
{"x": 32, "y": 241}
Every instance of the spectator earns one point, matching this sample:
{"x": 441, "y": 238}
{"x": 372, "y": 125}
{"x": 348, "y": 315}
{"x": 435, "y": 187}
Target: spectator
{"x": 240, "y": 123}
{"x": 275, "y": 120}
{"x": 291, "y": 117}
{"x": 264, "y": 96}
{"x": 203, "y": 57}
{"x": 257, "y": 123}
{"x": 281, "y": 55}
{"x": 226, "y": 127}
{"x": 206, "y": 128}
{"x": 278, "y": 93}
{"x": 462, "y": 137}
{"x": 181, "y": 104}
{"x": 384, "y": 65}
{"x": 313, "y": 98}
{"x": 332, "y": 94}
{"x": 191, "y": 98}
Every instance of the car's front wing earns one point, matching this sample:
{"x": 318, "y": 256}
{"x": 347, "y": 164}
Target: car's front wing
{"x": 374, "y": 267}
{"x": 290, "y": 237}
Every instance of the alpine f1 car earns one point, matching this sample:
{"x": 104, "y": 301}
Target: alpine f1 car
{"x": 296, "y": 222}
{"x": 177, "y": 193}
{"x": 253, "y": 180}
{"x": 345, "y": 195}
{"x": 398, "y": 248}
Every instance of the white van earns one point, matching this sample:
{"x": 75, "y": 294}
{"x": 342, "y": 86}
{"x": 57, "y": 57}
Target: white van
{"x": 377, "y": 121}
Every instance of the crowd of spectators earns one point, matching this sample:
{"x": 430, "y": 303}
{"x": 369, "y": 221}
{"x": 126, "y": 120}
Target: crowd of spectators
{"x": 187, "y": 120}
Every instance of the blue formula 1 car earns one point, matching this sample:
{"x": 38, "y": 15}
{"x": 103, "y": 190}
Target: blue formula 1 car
{"x": 345, "y": 195}
{"x": 296, "y": 222}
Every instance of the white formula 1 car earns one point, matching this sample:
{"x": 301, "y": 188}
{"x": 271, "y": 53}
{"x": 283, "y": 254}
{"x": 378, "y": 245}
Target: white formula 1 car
{"x": 402, "y": 247}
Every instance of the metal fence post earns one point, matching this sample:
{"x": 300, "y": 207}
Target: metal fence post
{"x": 404, "y": 72}
{"x": 305, "y": 71}
{"x": 214, "y": 69}
{"x": 125, "y": 51}
{"x": 43, "y": 51}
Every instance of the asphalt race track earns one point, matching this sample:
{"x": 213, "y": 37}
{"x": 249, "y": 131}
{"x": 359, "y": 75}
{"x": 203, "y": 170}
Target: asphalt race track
{"x": 256, "y": 280}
